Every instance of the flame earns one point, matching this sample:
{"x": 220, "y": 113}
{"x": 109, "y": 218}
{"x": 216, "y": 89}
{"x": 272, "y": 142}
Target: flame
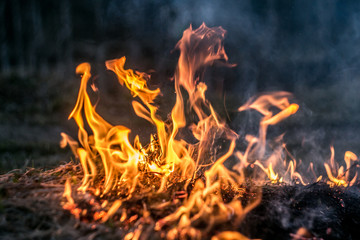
{"x": 67, "y": 192}
{"x": 111, "y": 163}
{"x": 110, "y": 144}
{"x": 229, "y": 235}
{"x": 116, "y": 168}
{"x": 254, "y": 155}
{"x": 70, "y": 204}
{"x": 339, "y": 176}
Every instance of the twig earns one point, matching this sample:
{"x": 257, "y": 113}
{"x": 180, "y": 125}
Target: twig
{"x": 356, "y": 163}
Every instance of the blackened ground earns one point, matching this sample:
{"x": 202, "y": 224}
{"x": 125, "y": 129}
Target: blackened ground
{"x": 327, "y": 213}
{"x": 30, "y": 208}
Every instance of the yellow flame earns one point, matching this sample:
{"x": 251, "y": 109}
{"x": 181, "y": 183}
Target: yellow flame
{"x": 67, "y": 192}
{"x": 342, "y": 177}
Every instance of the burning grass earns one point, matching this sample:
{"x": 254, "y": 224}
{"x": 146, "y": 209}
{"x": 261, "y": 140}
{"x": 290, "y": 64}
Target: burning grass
{"x": 31, "y": 209}
{"x": 170, "y": 168}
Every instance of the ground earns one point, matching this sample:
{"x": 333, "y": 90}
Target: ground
{"x": 32, "y": 207}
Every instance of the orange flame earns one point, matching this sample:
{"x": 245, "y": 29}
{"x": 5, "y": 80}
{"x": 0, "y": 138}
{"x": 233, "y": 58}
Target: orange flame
{"x": 342, "y": 176}
{"x": 257, "y": 145}
{"x": 108, "y": 157}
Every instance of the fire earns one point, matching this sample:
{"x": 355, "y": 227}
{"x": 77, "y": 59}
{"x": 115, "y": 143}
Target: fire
{"x": 67, "y": 192}
{"x": 342, "y": 176}
{"x": 255, "y": 152}
{"x": 115, "y": 168}
{"x": 70, "y": 203}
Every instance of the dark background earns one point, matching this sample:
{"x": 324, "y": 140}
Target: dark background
{"x": 310, "y": 48}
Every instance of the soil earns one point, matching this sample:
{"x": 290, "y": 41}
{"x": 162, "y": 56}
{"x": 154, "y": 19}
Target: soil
{"x": 32, "y": 207}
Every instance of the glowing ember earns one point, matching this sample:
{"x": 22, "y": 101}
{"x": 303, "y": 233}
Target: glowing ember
{"x": 117, "y": 171}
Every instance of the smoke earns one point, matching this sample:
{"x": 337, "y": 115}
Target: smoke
{"x": 309, "y": 48}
